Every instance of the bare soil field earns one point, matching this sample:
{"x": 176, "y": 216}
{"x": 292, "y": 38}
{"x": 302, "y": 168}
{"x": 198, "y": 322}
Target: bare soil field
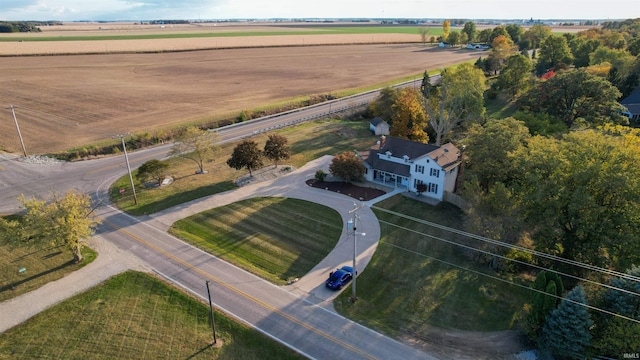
{"x": 69, "y": 101}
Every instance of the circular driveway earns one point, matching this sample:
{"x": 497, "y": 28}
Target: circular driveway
{"x": 292, "y": 185}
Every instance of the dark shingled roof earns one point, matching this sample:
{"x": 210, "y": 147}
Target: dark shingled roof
{"x": 388, "y": 166}
{"x": 376, "y": 120}
{"x": 632, "y": 102}
{"x": 401, "y": 147}
{"x": 447, "y": 155}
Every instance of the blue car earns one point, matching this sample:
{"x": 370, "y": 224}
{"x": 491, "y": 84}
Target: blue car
{"x": 339, "y": 278}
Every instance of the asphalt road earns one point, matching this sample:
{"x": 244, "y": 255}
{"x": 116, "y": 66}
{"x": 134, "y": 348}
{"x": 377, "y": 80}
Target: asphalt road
{"x": 297, "y": 320}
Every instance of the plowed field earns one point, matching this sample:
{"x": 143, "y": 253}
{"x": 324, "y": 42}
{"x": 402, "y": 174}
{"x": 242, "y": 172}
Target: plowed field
{"x": 68, "y": 101}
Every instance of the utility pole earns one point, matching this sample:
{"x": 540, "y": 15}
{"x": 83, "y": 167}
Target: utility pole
{"x": 126, "y": 158}
{"x": 24, "y": 150}
{"x": 351, "y": 229}
{"x": 213, "y": 324}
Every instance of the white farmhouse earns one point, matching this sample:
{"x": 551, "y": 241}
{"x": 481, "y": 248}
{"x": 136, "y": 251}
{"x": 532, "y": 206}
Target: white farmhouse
{"x": 396, "y": 162}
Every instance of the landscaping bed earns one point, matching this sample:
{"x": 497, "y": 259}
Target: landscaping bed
{"x": 357, "y": 192}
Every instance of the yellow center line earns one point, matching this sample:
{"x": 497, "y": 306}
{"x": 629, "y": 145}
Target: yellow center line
{"x": 236, "y": 290}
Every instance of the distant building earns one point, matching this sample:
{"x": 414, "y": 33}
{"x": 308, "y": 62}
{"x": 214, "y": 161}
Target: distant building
{"x": 475, "y": 46}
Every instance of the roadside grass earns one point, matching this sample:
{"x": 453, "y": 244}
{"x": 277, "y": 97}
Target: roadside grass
{"x": 135, "y": 316}
{"x": 42, "y": 266}
{"x": 410, "y": 284}
{"x": 308, "y": 141}
{"x": 309, "y": 31}
{"x": 277, "y": 239}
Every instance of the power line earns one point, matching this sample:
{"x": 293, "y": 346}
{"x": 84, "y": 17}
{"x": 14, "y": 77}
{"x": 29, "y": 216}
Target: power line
{"x": 506, "y": 258}
{"x": 512, "y": 283}
{"x": 511, "y": 246}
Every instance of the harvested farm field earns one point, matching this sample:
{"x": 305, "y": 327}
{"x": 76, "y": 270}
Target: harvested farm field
{"x": 73, "y": 100}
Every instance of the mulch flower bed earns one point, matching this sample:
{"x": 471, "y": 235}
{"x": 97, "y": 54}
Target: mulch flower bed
{"x": 357, "y": 192}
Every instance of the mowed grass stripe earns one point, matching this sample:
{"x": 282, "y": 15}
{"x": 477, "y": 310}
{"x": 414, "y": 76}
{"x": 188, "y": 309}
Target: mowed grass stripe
{"x": 274, "y": 238}
{"x": 429, "y": 285}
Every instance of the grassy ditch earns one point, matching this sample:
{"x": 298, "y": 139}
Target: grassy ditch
{"x": 41, "y": 267}
{"x": 277, "y": 239}
{"x": 135, "y": 316}
{"x": 415, "y": 281}
{"x": 308, "y": 141}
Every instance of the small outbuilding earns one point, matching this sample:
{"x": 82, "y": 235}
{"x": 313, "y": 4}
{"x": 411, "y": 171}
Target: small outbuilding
{"x": 379, "y": 126}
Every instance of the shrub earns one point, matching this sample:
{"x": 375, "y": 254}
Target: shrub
{"x": 320, "y": 175}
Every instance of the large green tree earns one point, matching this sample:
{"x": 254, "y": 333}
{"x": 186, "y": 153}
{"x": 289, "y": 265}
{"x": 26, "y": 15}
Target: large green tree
{"x": 581, "y": 49}
{"x": 277, "y": 148}
{"x": 64, "y": 220}
{"x": 409, "y": 119}
{"x": 458, "y": 98}
{"x": 581, "y": 195}
{"x": 154, "y": 170}
{"x": 382, "y": 105}
{"x": 536, "y": 34}
{"x": 196, "y": 145}
{"x": 347, "y": 166}
{"x": 490, "y": 163}
{"x": 574, "y": 94}
{"x": 516, "y": 32}
{"x": 246, "y": 155}
{"x": 554, "y": 50}
{"x": 516, "y": 76}
{"x": 613, "y": 332}
{"x": 492, "y": 209}
{"x": 470, "y": 29}
{"x": 454, "y": 38}
{"x": 565, "y": 333}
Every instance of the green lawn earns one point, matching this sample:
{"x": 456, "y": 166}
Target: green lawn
{"x": 409, "y": 286}
{"x": 42, "y": 266}
{"x": 499, "y": 108}
{"x": 308, "y": 141}
{"x": 135, "y": 316}
{"x": 276, "y": 238}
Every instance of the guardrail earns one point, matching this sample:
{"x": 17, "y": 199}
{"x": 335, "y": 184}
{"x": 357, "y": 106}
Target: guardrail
{"x": 306, "y": 108}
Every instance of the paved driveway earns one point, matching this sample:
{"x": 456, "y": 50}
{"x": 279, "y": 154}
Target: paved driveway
{"x": 292, "y": 185}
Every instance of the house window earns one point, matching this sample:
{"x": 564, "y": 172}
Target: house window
{"x": 435, "y": 172}
{"x": 420, "y": 169}
{"x": 433, "y": 188}
{"x": 366, "y": 171}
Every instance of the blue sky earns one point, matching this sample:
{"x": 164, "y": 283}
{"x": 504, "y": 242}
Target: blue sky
{"x": 70, "y": 10}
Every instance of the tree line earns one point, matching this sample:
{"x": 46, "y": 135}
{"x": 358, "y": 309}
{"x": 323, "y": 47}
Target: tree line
{"x": 559, "y": 176}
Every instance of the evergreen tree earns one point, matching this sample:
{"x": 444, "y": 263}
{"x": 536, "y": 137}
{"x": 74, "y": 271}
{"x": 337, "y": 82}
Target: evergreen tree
{"x": 566, "y": 333}
{"x": 542, "y": 304}
{"x": 426, "y": 86}
{"x": 615, "y": 333}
